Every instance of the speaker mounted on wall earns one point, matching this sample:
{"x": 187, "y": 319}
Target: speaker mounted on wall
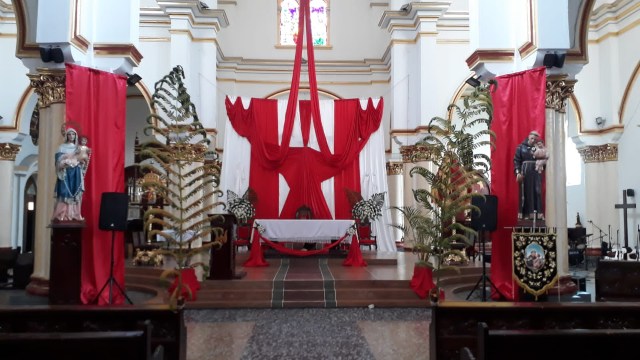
{"x": 114, "y": 207}
{"x": 487, "y": 219}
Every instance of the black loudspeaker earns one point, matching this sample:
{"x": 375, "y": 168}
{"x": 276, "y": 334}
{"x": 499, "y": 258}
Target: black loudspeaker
{"x": 487, "y": 219}
{"x": 631, "y": 192}
{"x": 113, "y": 211}
{"x": 553, "y": 60}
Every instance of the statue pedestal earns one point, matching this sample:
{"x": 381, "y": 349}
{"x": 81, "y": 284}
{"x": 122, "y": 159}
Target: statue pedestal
{"x": 66, "y": 263}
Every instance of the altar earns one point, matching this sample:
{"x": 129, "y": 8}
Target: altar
{"x": 304, "y": 231}
{"x": 271, "y": 232}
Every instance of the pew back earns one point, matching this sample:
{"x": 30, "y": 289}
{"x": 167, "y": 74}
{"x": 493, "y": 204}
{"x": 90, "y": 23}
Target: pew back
{"x": 167, "y": 327}
{"x": 556, "y": 343}
{"x": 454, "y": 324}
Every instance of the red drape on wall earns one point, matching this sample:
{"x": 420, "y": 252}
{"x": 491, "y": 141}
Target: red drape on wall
{"x": 97, "y": 101}
{"x": 519, "y": 108}
{"x": 303, "y": 168}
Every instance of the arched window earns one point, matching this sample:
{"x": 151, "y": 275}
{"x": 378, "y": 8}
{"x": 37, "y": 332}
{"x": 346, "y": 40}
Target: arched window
{"x": 288, "y": 16}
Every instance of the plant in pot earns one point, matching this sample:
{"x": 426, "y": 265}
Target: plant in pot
{"x": 186, "y": 180}
{"x": 436, "y": 223}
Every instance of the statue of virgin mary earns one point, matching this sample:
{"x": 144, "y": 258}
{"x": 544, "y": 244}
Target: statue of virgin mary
{"x": 70, "y": 172}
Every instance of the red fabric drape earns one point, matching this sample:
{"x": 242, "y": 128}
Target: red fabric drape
{"x": 97, "y": 101}
{"x": 303, "y": 168}
{"x": 519, "y": 108}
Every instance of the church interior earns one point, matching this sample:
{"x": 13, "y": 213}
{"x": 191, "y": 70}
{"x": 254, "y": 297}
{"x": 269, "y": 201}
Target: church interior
{"x": 319, "y": 179}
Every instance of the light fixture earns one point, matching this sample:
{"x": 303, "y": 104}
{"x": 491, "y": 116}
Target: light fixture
{"x": 600, "y": 122}
{"x": 31, "y": 205}
{"x": 133, "y": 79}
{"x": 474, "y": 81}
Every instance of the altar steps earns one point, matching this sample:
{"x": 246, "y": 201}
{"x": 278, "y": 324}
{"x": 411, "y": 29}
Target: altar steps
{"x": 351, "y": 287}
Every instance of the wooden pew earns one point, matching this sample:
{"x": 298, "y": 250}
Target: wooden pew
{"x": 617, "y": 280}
{"x": 98, "y": 345}
{"x": 168, "y": 328}
{"x": 454, "y": 324}
{"x": 554, "y": 343}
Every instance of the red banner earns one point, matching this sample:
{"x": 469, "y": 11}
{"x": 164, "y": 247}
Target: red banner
{"x": 519, "y": 108}
{"x": 96, "y": 102}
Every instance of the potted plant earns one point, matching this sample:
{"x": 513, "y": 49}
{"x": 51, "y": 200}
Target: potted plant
{"x": 434, "y": 223}
{"x": 185, "y": 179}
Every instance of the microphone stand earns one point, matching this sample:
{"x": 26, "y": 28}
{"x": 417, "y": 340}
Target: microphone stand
{"x": 602, "y": 249}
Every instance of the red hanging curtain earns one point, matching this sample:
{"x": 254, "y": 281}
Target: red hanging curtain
{"x": 96, "y": 100}
{"x": 519, "y": 108}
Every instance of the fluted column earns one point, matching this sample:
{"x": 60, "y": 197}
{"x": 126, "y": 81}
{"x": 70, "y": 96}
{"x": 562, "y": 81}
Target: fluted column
{"x": 558, "y": 90}
{"x": 396, "y": 193}
{"x": 601, "y": 184}
{"x": 8, "y": 154}
{"x": 413, "y": 156}
{"x": 49, "y": 84}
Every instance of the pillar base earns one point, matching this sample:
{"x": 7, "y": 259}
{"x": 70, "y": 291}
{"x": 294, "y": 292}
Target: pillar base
{"x": 38, "y": 286}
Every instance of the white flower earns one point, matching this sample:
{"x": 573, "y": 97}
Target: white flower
{"x": 370, "y": 209}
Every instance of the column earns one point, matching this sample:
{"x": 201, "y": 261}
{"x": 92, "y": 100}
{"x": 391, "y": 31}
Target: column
{"x": 558, "y": 90}
{"x": 396, "y": 193}
{"x": 49, "y": 84}
{"x": 413, "y": 156}
{"x": 601, "y": 183}
{"x": 8, "y": 154}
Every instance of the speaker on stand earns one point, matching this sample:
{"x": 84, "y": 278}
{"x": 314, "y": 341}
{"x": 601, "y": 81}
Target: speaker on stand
{"x": 484, "y": 220}
{"x": 113, "y": 216}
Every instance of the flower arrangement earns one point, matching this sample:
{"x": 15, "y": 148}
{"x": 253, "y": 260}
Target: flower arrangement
{"x": 147, "y": 258}
{"x": 368, "y": 210}
{"x": 242, "y": 206}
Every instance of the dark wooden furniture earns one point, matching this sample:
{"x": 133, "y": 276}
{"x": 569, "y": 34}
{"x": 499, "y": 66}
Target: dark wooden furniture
{"x": 99, "y": 345}
{"x": 8, "y": 258}
{"x": 554, "y": 343}
{"x": 618, "y": 280}
{"x": 222, "y": 262}
{"x": 65, "y": 268}
{"x": 454, "y": 325}
{"x": 168, "y": 328}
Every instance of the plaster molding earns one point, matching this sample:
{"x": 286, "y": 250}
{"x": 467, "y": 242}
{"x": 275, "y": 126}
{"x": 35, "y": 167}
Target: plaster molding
{"x": 558, "y": 91}
{"x": 49, "y": 84}
{"x": 8, "y": 151}
{"x": 599, "y": 153}
{"x": 395, "y": 168}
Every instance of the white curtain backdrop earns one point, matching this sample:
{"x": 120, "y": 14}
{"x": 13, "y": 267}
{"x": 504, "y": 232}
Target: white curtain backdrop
{"x": 373, "y": 171}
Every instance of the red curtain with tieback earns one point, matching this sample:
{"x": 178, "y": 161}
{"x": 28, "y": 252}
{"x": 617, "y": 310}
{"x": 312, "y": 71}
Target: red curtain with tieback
{"x": 518, "y": 108}
{"x": 96, "y": 100}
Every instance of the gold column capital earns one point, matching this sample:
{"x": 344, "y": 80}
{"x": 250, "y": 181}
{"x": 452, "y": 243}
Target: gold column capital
{"x": 558, "y": 91}
{"x": 8, "y": 151}
{"x": 189, "y": 152}
{"x": 49, "y": 84}
{"x": 599, "y": 153}
{"x": 415, "y": 153}
{"x": 394, "y": 168}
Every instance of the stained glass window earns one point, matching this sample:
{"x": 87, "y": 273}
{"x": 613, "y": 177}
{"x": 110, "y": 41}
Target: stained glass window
{"x": 289, "y": 22}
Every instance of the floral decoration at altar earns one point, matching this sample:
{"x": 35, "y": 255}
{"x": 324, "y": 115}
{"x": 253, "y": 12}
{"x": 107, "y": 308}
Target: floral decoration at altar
{"x": 242, "y": 206}
{"x": 148, "y": 258}
{"x": 368, "y": 210}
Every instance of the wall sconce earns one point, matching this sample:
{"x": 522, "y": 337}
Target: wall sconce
{"x": 51, "y": 54}
{"x": 474, "y": 81}
{"x": 600, "y": 121}
{"x": 133, "y": 79}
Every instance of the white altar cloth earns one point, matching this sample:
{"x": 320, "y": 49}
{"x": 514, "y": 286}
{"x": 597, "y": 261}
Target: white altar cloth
{"x": 304, "y": 230}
